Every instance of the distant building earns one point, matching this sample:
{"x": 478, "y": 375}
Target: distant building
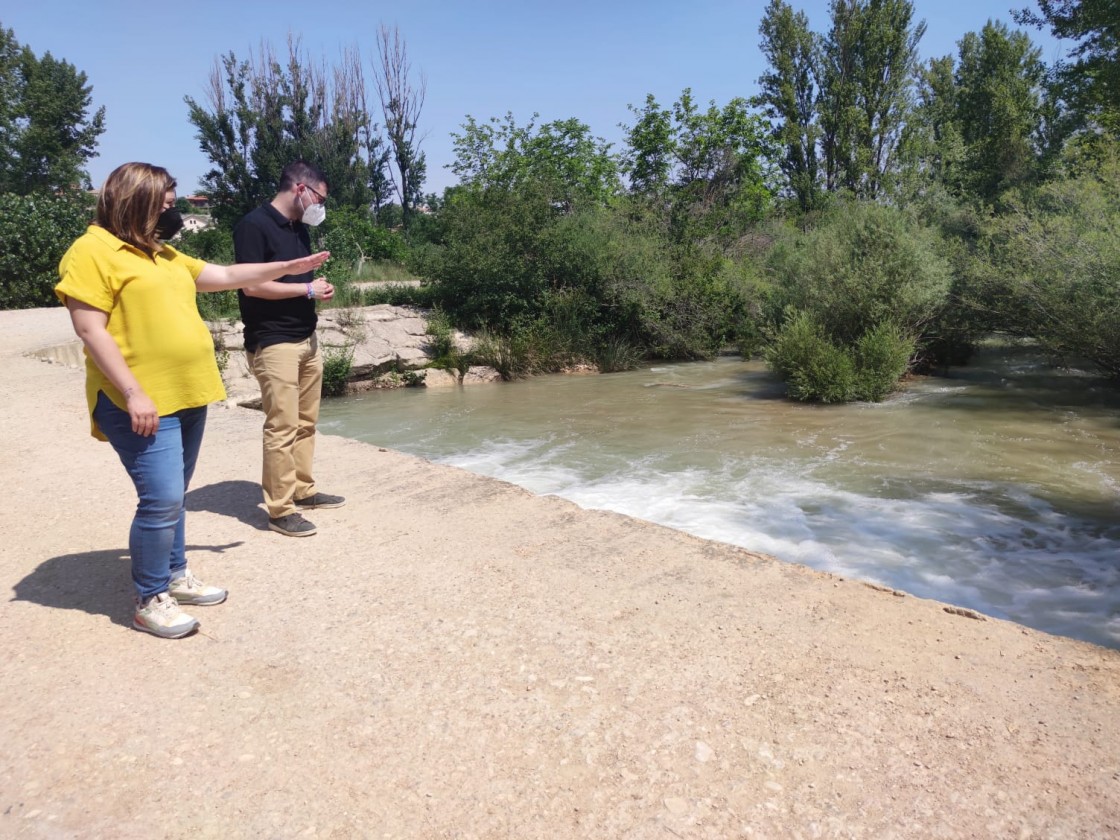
{"x": 194, "y": 223}
{"x": 198, "y": 202}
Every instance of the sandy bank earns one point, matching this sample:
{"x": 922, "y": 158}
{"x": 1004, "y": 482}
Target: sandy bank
{"x": 452, "y": 656}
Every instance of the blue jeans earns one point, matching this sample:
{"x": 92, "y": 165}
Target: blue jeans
{"x": 161, "y": 467}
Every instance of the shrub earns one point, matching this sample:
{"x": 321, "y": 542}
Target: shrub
{"x": 816, "y": 368}
{"x": 617, "y": 354}
{"x": 852, "y": 300}
{"x": 489, "y": 272}
{"x": 442, "y": 344}
{"x": 35, "y": 231}
{"x": 812, "y": 366}
{"x": 865, "y": 264}
{"x": 510, "y": 356}
{"x": 337, "y": 364}
{"x": 1053, "y": 269}
{"x": 218, "y": 306}
{"x": 397, "y": 294}
{"x": 213, "y": 244}
{"x": 353, "y": 239}
{"x": 882, "y": 356}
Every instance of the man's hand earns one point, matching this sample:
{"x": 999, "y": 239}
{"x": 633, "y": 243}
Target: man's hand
{"x": 322, "y": 289}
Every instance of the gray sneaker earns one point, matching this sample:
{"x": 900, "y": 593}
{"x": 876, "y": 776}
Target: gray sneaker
{"x": 160, "y": 615}
{"x": 190, "y": 590}
{"x": 292, "y": 525}
{"x": 321, "y": 500}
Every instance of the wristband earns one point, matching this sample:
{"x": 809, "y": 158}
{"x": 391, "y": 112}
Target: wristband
{"x": 310, "y": 291}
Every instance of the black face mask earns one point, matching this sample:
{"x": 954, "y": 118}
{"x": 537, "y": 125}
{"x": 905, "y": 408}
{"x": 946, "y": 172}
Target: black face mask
{"x": 169, "y": 223}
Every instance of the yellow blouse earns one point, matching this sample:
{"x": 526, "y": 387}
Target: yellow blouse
{"x": 153, "y": 317}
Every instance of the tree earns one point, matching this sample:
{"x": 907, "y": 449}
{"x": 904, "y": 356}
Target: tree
{"x": 707, "y": 170}
{"x": 1053, "y": 263}
{"x": 650, "y": 149}
{"x": 984, "y": 123}
{"x": 867, "y": 65}
{"x": 35, "y": 231}
{"x": 788, "y": 97}
{"x": 998, "y": 98}
{"x": 721, "y": 156}
{"x": 560, "y": 159}
{"x": 10, "y": 52}
{"x": 261, "y": 115}
{"x": 47, "y": 134}
{"x": 1091, "y": 81}
{"x": 401, "y": 104}
{"x": 931, "y": 149}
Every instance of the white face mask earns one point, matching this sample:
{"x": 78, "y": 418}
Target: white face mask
{"x": 314, "y": 214}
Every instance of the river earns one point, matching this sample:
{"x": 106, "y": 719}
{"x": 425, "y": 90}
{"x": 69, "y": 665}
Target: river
{"x": 996, "y": 488}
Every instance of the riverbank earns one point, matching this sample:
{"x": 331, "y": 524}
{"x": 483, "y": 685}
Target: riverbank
{"x": 454, "y": 657}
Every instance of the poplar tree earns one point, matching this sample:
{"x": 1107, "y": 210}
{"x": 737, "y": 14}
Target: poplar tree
{"x": 261, "y": 114}
{"x": 788, "y": 97}
{"x": 402, "y": 100}
{"x": 867, "y": 65}
{"x": 998, "y": 98}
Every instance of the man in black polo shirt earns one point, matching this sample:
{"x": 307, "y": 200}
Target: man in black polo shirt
{"x": 281, "y": 345}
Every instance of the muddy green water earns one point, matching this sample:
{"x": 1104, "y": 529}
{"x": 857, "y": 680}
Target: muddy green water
{"x": 997, "y": 488}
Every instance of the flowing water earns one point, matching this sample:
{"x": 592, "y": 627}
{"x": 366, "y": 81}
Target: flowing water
{"x": 997, "y": 488}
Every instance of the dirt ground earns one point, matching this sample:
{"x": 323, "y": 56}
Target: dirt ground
{"x": 454, "y": 657}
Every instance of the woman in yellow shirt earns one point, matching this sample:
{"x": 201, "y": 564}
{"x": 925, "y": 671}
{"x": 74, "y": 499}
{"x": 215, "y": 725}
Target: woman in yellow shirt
{"x": 151, "y": 371}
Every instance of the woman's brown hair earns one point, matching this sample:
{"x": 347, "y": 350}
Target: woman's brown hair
{"x": 130, "y": 202}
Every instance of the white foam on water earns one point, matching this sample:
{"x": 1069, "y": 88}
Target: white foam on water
{"x": 997, "y": 549}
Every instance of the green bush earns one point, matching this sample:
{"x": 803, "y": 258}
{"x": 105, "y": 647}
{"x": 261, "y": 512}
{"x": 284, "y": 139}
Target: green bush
{"x": 489, "y": 272}
{"x": 353, "y": 239}
{"x": 1053, "y": 266}
{"x": 218, "y": 306}
{"x": 882, "y": 356}
{"x": 399, "y": 294}
{"x": 853, "y": 300}
{"x": 337, "y": 364}
{"x": 811, "y": 365}
{"x": 445, "y": 353}
{"x": 863, "y": 265}
{"x": 572, "y": 283}
{"x": 213, "y": 244}
{"x": 816, "y": 368}
{"x": 441, "y": 331}
{"x": 511, "y": 356}
{"x": 35, "y": 231}
{"x": 616, "y": 354}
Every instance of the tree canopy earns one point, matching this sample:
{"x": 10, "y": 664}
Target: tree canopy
{"x": 47, "y": 133}
{"x": 262, "y": 114}
{"x": 1091, "y": 79}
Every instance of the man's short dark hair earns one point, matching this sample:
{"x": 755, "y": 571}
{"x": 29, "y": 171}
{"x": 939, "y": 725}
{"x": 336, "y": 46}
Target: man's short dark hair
{"x": 301, "y": 172}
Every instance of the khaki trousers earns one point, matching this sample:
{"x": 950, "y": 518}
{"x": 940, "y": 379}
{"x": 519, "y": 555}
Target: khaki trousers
{"x": 291, "y": 380}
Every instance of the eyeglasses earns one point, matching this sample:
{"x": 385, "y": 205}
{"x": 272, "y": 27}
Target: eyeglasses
{"x": 322, "y": 198}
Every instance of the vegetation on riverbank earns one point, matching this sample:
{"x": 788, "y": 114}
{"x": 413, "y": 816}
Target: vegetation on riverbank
{"x": 861, "y": 215}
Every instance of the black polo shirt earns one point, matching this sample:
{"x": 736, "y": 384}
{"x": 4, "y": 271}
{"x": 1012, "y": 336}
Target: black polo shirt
{"x": 265, "y": 235}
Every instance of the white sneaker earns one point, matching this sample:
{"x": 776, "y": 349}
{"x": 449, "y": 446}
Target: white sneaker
{"x": 160, "y": 615}
{"x": 190, "y": 590}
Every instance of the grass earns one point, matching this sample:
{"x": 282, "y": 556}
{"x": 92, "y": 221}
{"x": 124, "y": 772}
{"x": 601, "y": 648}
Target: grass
{"x": 383, "y": 271}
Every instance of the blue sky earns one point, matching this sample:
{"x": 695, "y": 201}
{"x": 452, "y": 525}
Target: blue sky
{"x": 580, "y": 59}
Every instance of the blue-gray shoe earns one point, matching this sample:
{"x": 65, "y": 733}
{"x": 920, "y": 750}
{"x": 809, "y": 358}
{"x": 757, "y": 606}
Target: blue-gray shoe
{"x": 292, "y": 525}
{"x": 320, "y": 500}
